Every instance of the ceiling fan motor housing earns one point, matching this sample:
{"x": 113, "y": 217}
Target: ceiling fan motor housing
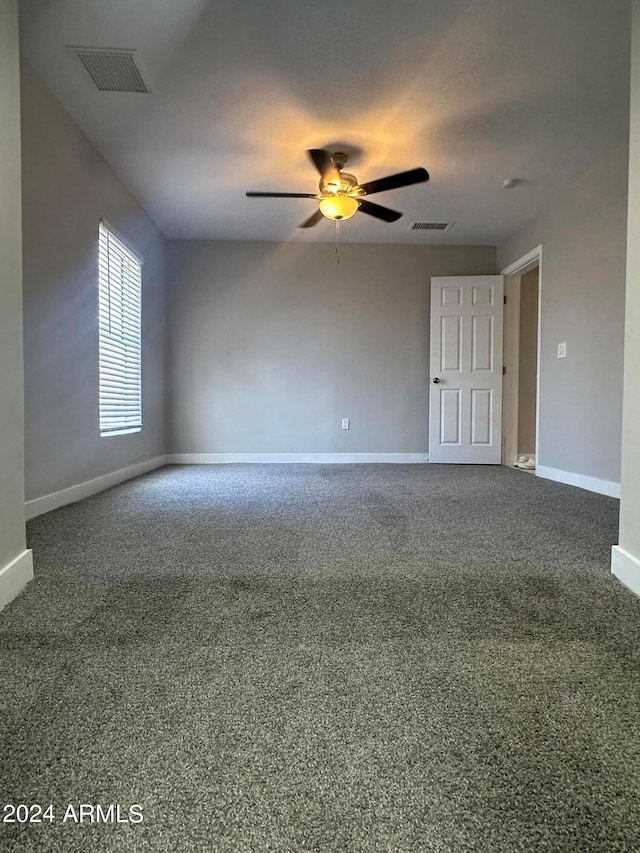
{"x": 343, "y": 182}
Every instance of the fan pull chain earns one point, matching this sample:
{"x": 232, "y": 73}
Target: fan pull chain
{"x": 337, "y": 241}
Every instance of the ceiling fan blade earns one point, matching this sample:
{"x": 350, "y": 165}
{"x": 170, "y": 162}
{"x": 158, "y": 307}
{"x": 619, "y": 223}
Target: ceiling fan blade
{"x": 393, "y": 182}
{"x": 312, "y": 220}
{"x": 377, "y": 210}
{"x": 321, "y": 159}
{"x": 281, "y": 195}
{"x": 323, "y": 162}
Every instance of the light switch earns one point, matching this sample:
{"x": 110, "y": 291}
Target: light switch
{"x": 562, "y": 350}
{"x": 345, "y": 423}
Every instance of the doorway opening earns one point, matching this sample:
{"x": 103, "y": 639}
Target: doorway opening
{"x": 521, "y": 388}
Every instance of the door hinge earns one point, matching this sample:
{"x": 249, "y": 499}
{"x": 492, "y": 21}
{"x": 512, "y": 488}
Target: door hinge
{"x": 504, "y": 299}
{"x": 504, "y": 370}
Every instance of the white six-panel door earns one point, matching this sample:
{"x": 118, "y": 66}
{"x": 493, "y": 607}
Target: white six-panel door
{"x": 465, "y": 398}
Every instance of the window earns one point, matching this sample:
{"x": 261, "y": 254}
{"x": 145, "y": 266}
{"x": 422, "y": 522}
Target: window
{"x": 119, "y": 335}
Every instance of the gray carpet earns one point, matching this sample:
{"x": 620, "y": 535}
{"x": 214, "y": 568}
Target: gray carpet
{"x": 326, "y": 658}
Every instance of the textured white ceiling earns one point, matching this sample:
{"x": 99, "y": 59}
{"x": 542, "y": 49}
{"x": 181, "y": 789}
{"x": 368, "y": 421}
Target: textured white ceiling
{"x": 475, "y": 91}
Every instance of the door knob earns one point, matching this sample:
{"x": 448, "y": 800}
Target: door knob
{"x": 436, "y": 380}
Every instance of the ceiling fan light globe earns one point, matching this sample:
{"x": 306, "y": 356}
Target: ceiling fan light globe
{"x": 338, "y": 207}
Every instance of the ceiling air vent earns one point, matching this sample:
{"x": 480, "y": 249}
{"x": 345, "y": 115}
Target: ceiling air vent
{"x": 112, "y": 69}
{"x": 431, "y": 226}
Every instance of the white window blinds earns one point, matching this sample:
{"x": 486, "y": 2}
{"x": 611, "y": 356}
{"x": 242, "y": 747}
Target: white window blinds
{"x": 119, "y": 334}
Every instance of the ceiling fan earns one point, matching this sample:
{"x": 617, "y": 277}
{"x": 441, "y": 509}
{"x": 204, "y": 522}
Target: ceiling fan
{"x": 341, "y": 196}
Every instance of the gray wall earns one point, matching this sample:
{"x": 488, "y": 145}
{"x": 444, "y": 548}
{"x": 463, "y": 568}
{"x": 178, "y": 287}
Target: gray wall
{"x": 630, "y": 503}
{"x": 583, "y": 280}
{"x": 12, "y": 539}
{"x": 528, "y": 362}
{"x": 67, "y": 188}
{"x": 270, "y": 345}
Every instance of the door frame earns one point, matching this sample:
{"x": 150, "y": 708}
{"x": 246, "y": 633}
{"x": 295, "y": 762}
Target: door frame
{"x": 513, "y": 275}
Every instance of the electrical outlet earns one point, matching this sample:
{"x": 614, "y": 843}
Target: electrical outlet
{"x": 562, "y": 350}
{"x": 345, "y": 423}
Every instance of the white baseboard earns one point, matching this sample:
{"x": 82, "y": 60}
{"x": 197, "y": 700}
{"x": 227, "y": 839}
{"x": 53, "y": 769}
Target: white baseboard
{"x": 15, "y": 576}
{"x": 591, "y": 484}
{"x": 38, "y": 506}
{"x": 626, "y": 568}
{"x": 319, "y": 458}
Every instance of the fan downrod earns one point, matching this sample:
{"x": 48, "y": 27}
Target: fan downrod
{"x": 339, "y": 159}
